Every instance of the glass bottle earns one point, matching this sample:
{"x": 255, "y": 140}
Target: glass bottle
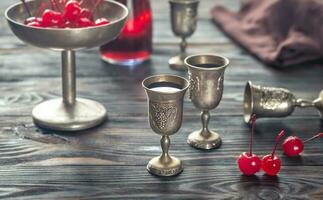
{"x": 134, "y": 45}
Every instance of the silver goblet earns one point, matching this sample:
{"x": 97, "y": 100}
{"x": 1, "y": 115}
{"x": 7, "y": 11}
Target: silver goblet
{"x": 274, "y": 102}
{"x": 165, "y": 95}
{"x": 183, "y": 20}
{"x": 206, "y": 74}
{"x": 69, "y": 113}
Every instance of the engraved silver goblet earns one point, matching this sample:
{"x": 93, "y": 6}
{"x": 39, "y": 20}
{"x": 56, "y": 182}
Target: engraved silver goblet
{"x": 165, "y": 95}
{"x": 274, "y": 102}
{"x": 68, "y": 113}
{"x": 206, "y": 74}
{"x": 183, "y": 20}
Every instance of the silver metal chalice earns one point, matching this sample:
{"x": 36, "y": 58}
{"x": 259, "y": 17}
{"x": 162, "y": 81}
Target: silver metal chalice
{"x": 206, "y": 75}
{"x": 69, "y": 113}
{"x": 274, "y": 102}
{"x": 165, "y": 95}
{"x": 183, "y": 20}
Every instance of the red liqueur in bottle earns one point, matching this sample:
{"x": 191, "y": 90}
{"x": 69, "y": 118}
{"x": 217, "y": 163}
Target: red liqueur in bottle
{"x": 134, "y": 44}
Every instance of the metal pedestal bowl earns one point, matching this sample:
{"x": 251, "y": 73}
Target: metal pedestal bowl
{"x": 68, "y": 113}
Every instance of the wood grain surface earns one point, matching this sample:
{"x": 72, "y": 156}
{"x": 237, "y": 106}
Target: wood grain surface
{"x": 108, "y": 162}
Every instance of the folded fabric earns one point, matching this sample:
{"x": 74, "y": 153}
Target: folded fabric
{"x": 279, "y": 32}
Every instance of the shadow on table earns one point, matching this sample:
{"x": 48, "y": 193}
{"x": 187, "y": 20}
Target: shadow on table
{"x": 138, "y": 72}
{"x": 259, "y": 187}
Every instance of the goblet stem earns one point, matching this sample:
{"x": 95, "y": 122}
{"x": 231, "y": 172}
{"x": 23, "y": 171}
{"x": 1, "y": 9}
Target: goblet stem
{"x": 183, "y": 46}
{"x": 165, "y": 143}
{"x": 205, "y": 117}
{"x": 304, "y": 103}
{"x": 68, "y": 77}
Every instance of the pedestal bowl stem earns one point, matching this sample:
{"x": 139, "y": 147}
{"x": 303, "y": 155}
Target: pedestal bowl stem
{"x": 68, "y": 77}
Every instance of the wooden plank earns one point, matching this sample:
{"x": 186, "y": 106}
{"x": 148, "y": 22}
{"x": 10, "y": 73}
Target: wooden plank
{"x": 106, "y": 182}
{"x": 130, "y": 141}
{"x": 127, "y": 100}
{"x": 108, "y": 162}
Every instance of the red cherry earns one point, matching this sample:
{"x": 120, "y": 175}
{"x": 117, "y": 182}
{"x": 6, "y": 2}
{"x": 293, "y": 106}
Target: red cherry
{"x": 34, "y": 24}
{"x": 47, "y": 18}
{"x": 293, "y": 146}
{"x": 84, "y": 22}
{"x": 101, "y": 21}
{"x": 52, "y": 18}
{"x": 249, "y": 163}
{"x": 58, "y": 19}
{"x": 270, "y": 163}
{"x": 86, "y": 13}
{"x": 72, "y": 10}
{"x": 69, "y": 24}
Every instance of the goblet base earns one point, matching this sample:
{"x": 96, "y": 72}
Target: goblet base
{"x": 177, "y": 63}
{"x": 55, "y": 115}
{"x": 200, "y": 141}
{"x": 158, "y": 167}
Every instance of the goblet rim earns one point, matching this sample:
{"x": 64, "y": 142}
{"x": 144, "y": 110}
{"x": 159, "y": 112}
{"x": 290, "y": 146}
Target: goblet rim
{"x": 226, "y": 62}
{"x": 248, "y": 111}
{"x": 66, "y": 29}
{"x": 184, "y": 2}
{"x": 187, "y": 84}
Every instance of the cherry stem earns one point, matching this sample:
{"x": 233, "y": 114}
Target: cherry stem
{"x": 40, "y": 9}
{"x": 26, "y": 7}
{"x": 57, "y": 6}
{"x": 253, "y": 124}
{"x": 52, "y": 4}
{"x": 62, "y": 2}
{"x": 280, "y": 135}
{"x": 314, "y": 137}
{"x": 95, "y": 6}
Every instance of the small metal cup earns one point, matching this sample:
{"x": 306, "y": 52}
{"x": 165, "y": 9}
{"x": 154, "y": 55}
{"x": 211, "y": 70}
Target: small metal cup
{"x": 165, "y": 117}
{"x": 183, "y": 20}
{"x": 274, "y": 102}
{"x": 206, "y": 74}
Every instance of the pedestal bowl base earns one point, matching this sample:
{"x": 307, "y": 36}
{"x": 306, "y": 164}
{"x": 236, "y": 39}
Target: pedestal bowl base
{"x": 55, "y": 115}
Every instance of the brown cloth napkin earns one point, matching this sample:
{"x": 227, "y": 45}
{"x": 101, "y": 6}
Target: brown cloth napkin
{"x": 279, "y": 32}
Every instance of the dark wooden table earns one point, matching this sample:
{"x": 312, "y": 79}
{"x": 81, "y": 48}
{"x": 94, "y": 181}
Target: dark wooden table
{"x": 109, "y": 162}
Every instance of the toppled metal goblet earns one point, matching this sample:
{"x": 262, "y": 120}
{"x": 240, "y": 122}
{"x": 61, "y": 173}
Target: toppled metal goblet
{"x": 206, "y": 74}
{"x": 165, "y": 95}
{"x": 69, "y": 113}
{"x": 183, "y": 20}
{"x": 274, "y": 102}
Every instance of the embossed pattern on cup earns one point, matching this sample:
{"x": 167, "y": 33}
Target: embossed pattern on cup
{"x": 184, "y": 22}
{"x": 206, "y": 76}
{"x": 274, "y": 102}
{"x": 165, "y": 111}
{"x": 184, "y": 17}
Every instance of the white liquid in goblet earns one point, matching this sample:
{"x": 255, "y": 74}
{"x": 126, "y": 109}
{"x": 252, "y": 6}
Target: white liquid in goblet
{"x": 165, "y": 89}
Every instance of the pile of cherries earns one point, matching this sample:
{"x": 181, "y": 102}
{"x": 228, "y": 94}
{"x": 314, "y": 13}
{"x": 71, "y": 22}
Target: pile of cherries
{"x": 250, "y": 163}
{"x": 72, "y": 16}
